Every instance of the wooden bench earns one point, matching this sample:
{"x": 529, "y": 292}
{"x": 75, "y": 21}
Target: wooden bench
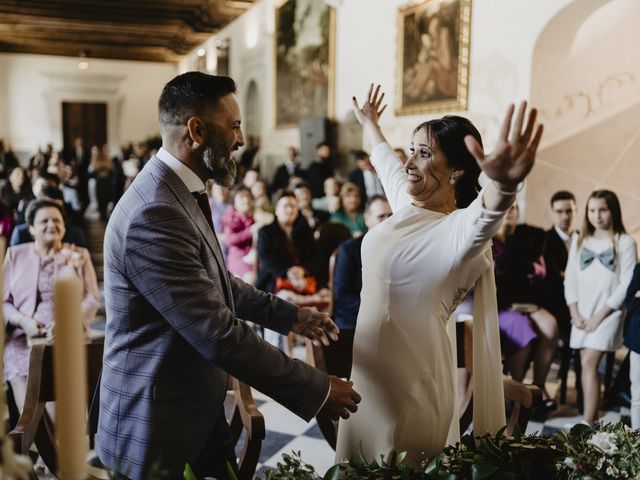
{"x": 34, "y": 424}
{"x": 243, "y": 415}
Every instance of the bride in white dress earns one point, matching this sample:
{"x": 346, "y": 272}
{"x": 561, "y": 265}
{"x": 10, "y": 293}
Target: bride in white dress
{"x": 417, "y": 266}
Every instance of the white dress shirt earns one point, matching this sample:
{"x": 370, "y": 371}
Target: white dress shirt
{"x": 188, "y": 176}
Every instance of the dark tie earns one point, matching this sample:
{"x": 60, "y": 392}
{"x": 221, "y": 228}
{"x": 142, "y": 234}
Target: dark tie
{"x": 203, "y": 203}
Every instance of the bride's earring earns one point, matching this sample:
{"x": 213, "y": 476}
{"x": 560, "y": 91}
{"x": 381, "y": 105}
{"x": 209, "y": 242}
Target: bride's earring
{"x": 452, "y": 180}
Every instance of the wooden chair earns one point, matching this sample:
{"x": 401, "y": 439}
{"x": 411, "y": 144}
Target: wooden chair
{"x": 244, "y": 416}
{"x": 34, "y": 424}
{"x": 520, "y": 398}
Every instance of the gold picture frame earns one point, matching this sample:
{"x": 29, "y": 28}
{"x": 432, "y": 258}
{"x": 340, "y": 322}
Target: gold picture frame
{"x": 304, "y": 61}
{"x": 432, "y": 73}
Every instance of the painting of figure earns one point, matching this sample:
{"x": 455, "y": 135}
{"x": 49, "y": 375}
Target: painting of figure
{"x": 433, "y": 56}
{"x": 304, "y": 59}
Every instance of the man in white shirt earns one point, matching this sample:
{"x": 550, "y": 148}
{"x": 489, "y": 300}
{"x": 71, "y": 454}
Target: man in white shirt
{"x": 558, "y": 241}
{"x": 176, "y": 318}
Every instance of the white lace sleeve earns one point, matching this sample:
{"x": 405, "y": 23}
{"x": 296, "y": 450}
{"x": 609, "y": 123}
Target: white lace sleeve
{"x": 392, "y": 175}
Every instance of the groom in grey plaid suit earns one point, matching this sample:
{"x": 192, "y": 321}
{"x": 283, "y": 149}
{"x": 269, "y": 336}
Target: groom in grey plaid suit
{"x": 175, "y": 317}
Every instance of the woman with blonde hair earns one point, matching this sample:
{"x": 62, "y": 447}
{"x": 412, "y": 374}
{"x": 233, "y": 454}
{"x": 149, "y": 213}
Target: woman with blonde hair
{"x": 599, "y": 269}
{"x": 351, "y": 211}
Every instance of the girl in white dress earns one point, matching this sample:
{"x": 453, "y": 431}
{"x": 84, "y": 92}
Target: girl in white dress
{"x": 416, "y": 268}
{"x": 599, "y": 269}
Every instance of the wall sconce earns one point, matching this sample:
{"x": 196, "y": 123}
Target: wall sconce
{"x": 83, "y": 63}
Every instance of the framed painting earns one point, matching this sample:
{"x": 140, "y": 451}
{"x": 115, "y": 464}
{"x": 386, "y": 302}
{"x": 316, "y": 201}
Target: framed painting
{"x": 432, "y": 73}
{"x": 304, "y": 61}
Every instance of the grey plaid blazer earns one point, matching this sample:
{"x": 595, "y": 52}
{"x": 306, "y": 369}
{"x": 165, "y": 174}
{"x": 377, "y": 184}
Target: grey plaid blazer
{"x": 174, "y": 332}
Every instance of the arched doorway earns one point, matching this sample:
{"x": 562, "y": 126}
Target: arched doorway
{"x": 586, "y": 82}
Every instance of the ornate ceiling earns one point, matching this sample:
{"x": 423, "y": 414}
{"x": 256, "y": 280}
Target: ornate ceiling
{"x": 151, "y": 30}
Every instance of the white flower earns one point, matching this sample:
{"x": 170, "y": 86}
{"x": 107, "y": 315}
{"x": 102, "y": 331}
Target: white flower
{"x": 569, "y": 462}
{"x": 612, "y": 471}
{"x": 605, "y": 442}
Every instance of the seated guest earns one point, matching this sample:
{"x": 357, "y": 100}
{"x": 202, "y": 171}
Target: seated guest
{"x": 632, "y": 341}
{"x": 261, "y": 196}
{"x": 365, "y": 177}
{"x": 39, "y": 180}
{"x": 331, "y": 200}
{"x": 350, "y": 212}
{"x": 303, "y": 196}
{"x": 101, "y": 168}
{"x": 29, "y": 273}
{"x": 290, "y": 168}
{"x": 6, "y": 221}
{"x": 73, "y": 234}
{"x": 262, "y": 207}
{"x": 519, "y": 272}
{"x": 347, "y": 276}
{"x": 328, "y": 237}
{"x": 285, "y": 247}
{"x": 220, "y": 203}
{"x": 250, "y": 177}
{"x": 319, "y": 170}
{"x": 16, "y": 189}
{"x": 556, "y": 253}
{"x": 238, "y": 233}
{"x": 249, "y": 157}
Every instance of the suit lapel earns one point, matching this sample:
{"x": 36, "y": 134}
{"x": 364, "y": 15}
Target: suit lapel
{"x": 190, "y": 204}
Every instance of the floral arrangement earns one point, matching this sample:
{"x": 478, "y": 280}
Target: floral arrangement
{"x": 609, "y": 452}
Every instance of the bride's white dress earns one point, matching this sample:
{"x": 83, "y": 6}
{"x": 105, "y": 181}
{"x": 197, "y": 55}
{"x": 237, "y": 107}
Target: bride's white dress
{"x": 417, "y": 266}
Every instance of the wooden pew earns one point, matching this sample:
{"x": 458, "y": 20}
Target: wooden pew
{"x": 520, "y": 398}
{"x": 243, "y": 415}
{"x": 34, "y": 424}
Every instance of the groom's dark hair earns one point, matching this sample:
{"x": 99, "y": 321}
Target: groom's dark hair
{"x": 449, "y": 132}
{"x": 190, "y": 94}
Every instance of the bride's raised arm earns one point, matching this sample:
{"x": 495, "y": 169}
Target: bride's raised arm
{"x": 388, "y": 167}
{"x": 512, "y": 158}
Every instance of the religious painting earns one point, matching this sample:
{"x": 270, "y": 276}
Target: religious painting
{"x": 304, "y": 61}
{"x": 433, "y": 56}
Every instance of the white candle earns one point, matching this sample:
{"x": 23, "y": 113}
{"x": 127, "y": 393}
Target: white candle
{"x": 70, "y": 373}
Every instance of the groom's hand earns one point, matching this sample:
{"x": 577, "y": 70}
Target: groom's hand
{"x": 316, "y": 326}
{"x": 342, "y": 400}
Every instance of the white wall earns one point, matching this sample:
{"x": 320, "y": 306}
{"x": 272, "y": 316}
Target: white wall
{"x": 33, "y": 87}
{"x": 503, "y": 36}
{"x": 586, "y": 81}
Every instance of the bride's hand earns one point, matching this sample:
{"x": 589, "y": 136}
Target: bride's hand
{"x": 371, "y": 109}
{"x": 513, "y": 158}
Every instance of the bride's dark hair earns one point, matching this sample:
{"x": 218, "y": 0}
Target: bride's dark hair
{"x": 448, "y": 132}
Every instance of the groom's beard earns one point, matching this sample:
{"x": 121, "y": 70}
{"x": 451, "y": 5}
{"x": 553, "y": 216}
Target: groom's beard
{"x": 221, "y": 165}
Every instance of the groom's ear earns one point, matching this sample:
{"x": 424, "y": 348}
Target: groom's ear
{"x": 196, "y": 130}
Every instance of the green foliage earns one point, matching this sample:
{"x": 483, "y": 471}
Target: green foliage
{"x": 292, "y": 468}
{"x": 188, "y": 473}
{"x": 609, "y": 452}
